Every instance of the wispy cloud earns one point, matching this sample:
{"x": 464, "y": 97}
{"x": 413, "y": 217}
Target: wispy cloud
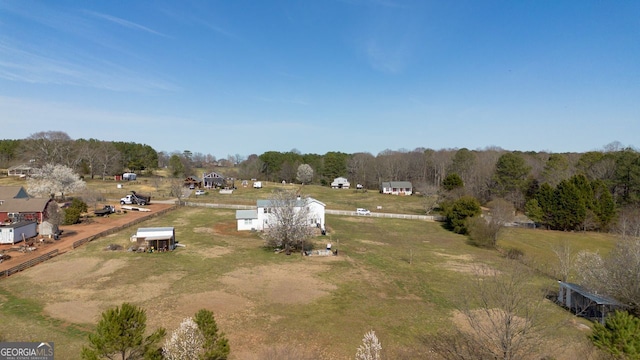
{"x": 124, "y": 23}
{"x": 190, "y": 18}
{"x": 35, "y": 66}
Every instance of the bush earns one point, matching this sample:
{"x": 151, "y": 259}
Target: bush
{"x": 458, "y": 211}
{"x": 513, "y": 254}
{"x": 71, "y": 216}
{"x": 482, "y": 233}
{"x": 73, "y": 212}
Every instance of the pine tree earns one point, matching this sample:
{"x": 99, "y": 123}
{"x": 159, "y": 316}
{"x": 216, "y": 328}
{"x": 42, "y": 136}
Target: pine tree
{"x": 619, "y": 336}
{"x": 120, "y": 333}
{"x": 216, "y": 345}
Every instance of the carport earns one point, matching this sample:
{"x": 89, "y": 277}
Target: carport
{"x": 157, "y": 238}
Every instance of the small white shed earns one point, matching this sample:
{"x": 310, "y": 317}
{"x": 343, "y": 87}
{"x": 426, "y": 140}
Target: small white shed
{"x": 16, "y": 232}
{"x": 247, "y": 220}
{"x": 129, "y": 176}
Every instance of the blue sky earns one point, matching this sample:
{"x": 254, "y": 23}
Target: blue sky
{"x": 245, "y": 77}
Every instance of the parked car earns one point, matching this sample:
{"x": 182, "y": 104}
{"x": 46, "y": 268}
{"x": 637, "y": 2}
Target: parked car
{"x": 361, "y": 211}
{"x": 200, "y": 192}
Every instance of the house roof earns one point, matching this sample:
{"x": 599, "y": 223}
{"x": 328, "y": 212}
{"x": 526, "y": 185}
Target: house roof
{"x": 155, "y": 230}
{"x": 397, "y": 184}
{"x": 299, "y": 203}
{"x": 21, "y": 167}
{"x": 24, "y": 205}
{"x": 212, "y": 175}
{"x": 598, "y": 299}
{"x": 246, "y": 214}
{"x": 12, "y": 192}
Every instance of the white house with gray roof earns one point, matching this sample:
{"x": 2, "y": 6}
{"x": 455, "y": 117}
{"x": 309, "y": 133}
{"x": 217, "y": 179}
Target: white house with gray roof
{"x": 396, "y": 188}
{"x": 260, "y": 218}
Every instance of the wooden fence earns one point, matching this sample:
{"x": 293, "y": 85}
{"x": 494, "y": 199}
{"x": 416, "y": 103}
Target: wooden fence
{"x": 28, "y": 264}
{"x": 78, "y": 243}
{"x": 114, "y": 230}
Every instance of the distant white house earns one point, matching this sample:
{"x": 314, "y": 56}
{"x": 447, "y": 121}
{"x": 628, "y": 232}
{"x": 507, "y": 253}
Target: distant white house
{"x": 21, "y": 170}
{"x": 247, "y": 219}
{"x": 260, "y": 218}
{"x": 396, "y": 188}
{"x": 340, "y": 183}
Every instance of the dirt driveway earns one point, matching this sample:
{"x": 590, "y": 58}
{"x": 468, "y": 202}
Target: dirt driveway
{"x": 91, "y": 226}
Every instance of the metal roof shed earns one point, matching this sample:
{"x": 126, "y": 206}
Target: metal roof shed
{"x": 160, "y": 238}
{"x": 585, "y": 303}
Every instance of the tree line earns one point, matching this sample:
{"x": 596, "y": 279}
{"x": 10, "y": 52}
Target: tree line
{"x": 86, "y": 156}
{"x": 585, "y": 180}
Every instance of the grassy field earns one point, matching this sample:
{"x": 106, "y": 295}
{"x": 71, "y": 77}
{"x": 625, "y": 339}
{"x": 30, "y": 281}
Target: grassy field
{"x": 401, "y": 278}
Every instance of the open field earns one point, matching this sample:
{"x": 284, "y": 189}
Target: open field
{"x": 401, "y": 278}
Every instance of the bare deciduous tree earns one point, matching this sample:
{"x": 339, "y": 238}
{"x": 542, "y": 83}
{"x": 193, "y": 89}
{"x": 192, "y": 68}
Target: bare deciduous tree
{"x": 177, "y": 189}
{"x": 361, "y": 169}
{"x": 288, "y": 223}
{"x": 107, "y": 159}
{"x": 47, "y": 147}
{"x": 432, "y": 196}
{"x": 566, "y": 260}
{"x": 628, "y": 224}
{"x": 504, "y": 321}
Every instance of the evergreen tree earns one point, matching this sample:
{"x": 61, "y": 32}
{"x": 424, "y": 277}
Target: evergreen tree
{"x": 120, "y": 334}
{"x": 546, "y": 201}
{"x": 335, "y": 164}
{"x": 533, "y": 211}
{"x": 603, "y": 205}
{"x": 452, "y": 181}
{"x": 619, "y": 336}
{"x": 570, "y": 209}
{"x": 216, "y": 345}
{"x": 627, "y": 176}
{"x": 457, "y": 212}
{"x": 510, "y": 179}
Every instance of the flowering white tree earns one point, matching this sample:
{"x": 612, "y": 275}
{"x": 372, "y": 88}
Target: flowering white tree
{"x": 370, "y": 348}
{"x": 53, "y": 179}
{"x": 185, "y": 342}
{"x": 305, "y": 173}
{"x": 289, "y": 220}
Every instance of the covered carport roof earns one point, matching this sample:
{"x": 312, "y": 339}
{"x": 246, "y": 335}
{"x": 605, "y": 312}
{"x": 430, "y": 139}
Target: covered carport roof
{"x": 598, "y": 299}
